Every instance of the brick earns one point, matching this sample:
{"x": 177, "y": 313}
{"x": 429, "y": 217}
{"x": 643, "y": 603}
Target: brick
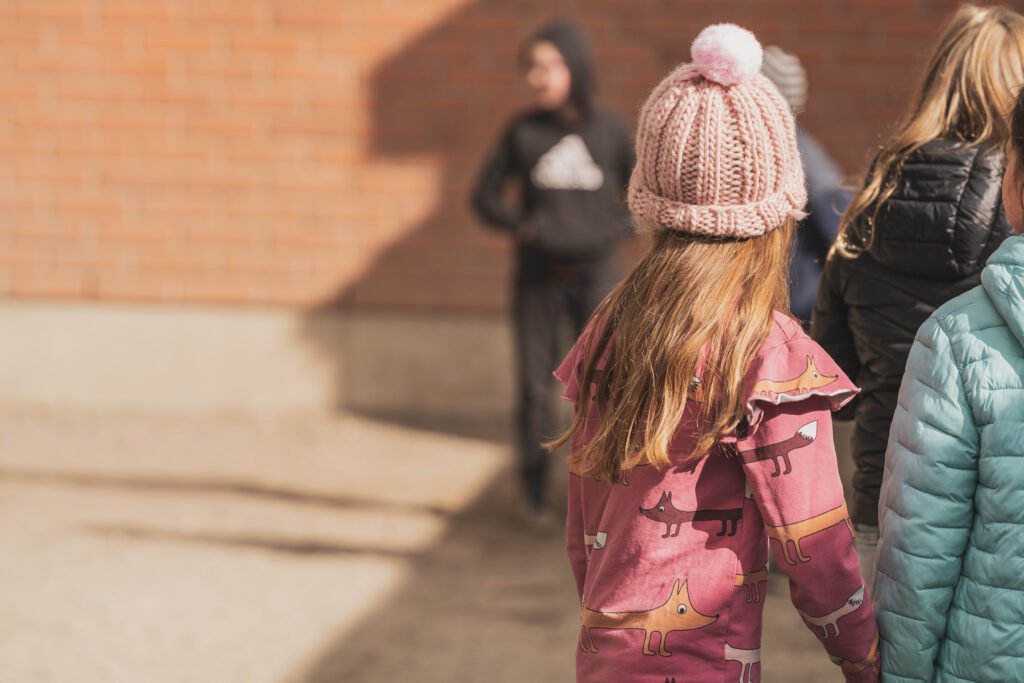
{"x": 151, "y": 65}
{"x": 313, "y": 14}
{"x": 82, "y": 60}
{"x": 224, "y": 68}
{"x": 19, "y": 34}
{"x": 183, "y": 37}
{"x": 233, "y": 12}
{"x": 56, "y": 10}
{"x": 272, "y": 41}
{"x": 151, "y": 10}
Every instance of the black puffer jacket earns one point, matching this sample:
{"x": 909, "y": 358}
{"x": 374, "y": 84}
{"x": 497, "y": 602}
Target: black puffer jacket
{"x": 932, "y": 238}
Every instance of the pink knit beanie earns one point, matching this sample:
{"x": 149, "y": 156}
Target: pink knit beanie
{"x": 716, "y": 145}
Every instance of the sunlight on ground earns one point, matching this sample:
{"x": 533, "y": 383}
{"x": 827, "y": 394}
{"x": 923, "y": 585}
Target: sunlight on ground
{"x": 143, "y": 548}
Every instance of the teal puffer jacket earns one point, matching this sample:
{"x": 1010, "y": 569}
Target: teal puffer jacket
{"x": 950, "y": 582}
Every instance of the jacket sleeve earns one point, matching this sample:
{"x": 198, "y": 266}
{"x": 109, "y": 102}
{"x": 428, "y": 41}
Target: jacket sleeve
{"x": 487, "y": 197}
{"x": 575, "y": 541}
{"x": 926, "y": 507}
{"x": 830, "y": 326}
{"x": 790, "y": 465}
{"x": 575, "y": 531}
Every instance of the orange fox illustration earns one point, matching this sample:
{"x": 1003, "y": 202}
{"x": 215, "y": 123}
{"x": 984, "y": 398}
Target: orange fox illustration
{"x": 675, "y": 614}
{"x": 807, "y": 380}
{"x": 850, "y": 668}
{"x": 796, "y": 532}
{"x": 697, "y": 389}
{"x": 751, "y": 581}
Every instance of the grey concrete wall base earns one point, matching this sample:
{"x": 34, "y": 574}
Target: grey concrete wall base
{"x": 108, "y": 356}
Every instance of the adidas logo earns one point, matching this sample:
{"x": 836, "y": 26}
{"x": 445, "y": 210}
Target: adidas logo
{"x": 567, "y": 166}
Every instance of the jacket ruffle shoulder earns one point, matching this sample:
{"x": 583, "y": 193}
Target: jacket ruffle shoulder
{"x": 568, "y": 372}
{"x": 792, "y": 367}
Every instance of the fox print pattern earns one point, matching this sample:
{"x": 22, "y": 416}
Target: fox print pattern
{"x": 595, "y": 541}
{"x": 809, "y": 379}
{"x": 780, "y": 451}
{"x": 850, "y": 667}
{"x": 746, "y": 658}
{"x": 792, "y": 534}
{"x": 675, "y": 614}
{"x": 751, "y": 581}
{"x": 832, "y": 618}
{"x": 696, "y": 390}
{"x": 602, "y": 390}
{"x": 670, "y": 516}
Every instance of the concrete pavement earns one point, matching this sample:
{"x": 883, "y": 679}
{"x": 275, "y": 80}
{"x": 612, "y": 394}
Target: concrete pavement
{"x": 313, "y": 548}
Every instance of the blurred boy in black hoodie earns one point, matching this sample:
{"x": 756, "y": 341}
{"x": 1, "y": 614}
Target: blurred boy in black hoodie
{"x": 573, "y": 161}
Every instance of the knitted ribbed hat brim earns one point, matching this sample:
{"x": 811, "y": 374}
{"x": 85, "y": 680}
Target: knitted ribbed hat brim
{"x": 738, "y": 221}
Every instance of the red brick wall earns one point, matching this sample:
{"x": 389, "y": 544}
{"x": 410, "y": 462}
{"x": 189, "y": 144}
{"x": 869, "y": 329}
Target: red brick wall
{"x": 307, "y": 152}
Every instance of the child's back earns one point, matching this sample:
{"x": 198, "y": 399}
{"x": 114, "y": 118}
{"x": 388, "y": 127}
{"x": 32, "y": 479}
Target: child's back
{"x": 702, "y": 425}
{"x": 674, "y": 561}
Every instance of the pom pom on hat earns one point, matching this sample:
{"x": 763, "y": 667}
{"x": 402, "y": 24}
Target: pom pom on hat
{"x": 726, "y": 54}
{"x": 697, "y": 170}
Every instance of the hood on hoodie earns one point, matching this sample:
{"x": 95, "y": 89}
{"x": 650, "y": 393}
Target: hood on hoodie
{"x": 572, "y": 42}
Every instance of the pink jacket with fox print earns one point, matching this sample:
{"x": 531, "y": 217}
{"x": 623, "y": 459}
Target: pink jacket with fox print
{"x": 671, "y": 565}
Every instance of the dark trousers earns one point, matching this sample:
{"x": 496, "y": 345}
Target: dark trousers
{"x": 546, "y": 294}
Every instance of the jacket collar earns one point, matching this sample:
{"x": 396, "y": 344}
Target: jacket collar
{"x": 1003, "y": 280}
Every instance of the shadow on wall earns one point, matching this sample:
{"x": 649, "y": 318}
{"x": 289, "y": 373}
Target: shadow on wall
{"x": 422, "y": 336}
{"x": 422, "y": 332}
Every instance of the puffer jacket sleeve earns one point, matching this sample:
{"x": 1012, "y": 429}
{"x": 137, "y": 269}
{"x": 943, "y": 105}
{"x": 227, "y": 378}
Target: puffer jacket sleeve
{"x": 830, "y": 326}
{"x": 926, "y": 507}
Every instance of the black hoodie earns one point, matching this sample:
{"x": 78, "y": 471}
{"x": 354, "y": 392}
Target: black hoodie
{"x": 573, "y": 174}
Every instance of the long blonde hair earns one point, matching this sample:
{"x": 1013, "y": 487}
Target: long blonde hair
{"x": 965, "y": 95}
{"x": 691, "y": 301}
